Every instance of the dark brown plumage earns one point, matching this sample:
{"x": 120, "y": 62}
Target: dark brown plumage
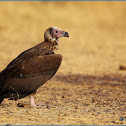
{"x": 32, "y": 68}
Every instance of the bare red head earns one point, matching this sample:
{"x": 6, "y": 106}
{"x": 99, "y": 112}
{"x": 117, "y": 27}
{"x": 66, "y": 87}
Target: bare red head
{"x": 54, "y": 33}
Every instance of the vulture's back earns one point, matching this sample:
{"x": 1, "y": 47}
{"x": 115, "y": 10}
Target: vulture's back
{"x": 30, "y": 70}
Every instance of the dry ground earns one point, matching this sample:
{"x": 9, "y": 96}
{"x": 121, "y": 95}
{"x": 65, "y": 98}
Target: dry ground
{"x": 88, "y": 88}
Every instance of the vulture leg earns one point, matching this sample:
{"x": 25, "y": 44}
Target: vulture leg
{"x": 33, "y": 101}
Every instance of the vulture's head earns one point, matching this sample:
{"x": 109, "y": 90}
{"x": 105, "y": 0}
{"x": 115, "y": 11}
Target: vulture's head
{"x": 52, "y": 34}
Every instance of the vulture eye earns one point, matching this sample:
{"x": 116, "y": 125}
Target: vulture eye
{"x": 56, "y": 31}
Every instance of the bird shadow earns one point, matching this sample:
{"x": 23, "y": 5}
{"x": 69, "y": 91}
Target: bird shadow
{"x": 106, "y": 80}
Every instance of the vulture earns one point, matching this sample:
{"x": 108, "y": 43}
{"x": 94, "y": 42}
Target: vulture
{"x": 32, "y": 68}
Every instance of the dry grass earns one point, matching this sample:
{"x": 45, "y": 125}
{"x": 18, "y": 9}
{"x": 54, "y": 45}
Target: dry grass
{"x": 96, "y": 47}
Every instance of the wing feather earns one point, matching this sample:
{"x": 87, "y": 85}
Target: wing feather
{"x": 28, "y": 72}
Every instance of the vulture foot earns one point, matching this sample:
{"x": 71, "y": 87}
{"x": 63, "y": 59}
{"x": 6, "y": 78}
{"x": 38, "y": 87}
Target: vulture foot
{"x": 33, "y": 103}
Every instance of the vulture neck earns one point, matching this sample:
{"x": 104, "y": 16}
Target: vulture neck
{"x": 50, "y": 42}
{"x": 50, "y": 45}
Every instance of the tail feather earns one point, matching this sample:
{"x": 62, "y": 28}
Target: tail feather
{"x": 1, "y": 99}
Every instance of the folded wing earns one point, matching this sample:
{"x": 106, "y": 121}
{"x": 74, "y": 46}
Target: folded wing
{"x": 28, "y": 72}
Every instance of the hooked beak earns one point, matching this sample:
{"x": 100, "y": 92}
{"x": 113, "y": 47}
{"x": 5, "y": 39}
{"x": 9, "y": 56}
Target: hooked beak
{"x": 66, "y": 34}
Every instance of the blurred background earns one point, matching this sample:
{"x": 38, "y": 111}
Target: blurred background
{"x": 97, "y": 30}
{"x": 80, "y": 93}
